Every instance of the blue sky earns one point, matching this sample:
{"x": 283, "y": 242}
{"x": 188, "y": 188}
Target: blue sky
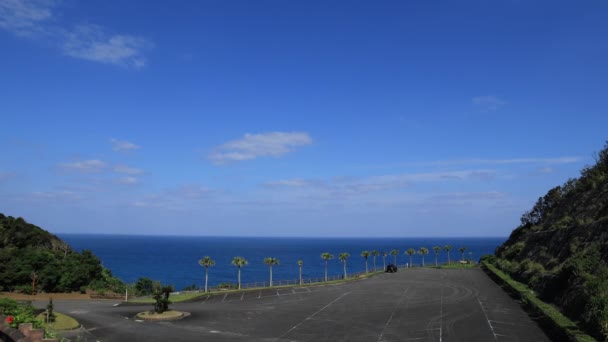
{"x": 296, "y": 118}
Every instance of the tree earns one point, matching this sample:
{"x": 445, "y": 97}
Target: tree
{"x": 461, "y": 250}
{"x": 326, "y": 256}
{"x": 410, "y": 252}
{"x": 343, "y": 257}
{"x": 239, "y": 262}
{"x": 365, "y": 255}
{"x": 374, "y": 254}
{"x": 144, "y": 286}
{"x": 161, "y": 298}
{"x": 448, "y": 248}
{"x": 423, "y": 251}
{"x": 300, "y": 263}
{"x": 437, "y": 249}
{"x": 384, "y": 254}
{"x": 394, "y": 253}
{"x": 270, "y": 262}
{"x": 206, "y": 262}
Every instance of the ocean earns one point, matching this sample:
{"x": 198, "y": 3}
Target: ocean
{"x": 174, "y": 259}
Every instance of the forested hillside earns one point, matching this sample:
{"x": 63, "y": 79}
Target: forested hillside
{"x": 33, "y": 260}
{"x": 561, "y": 248}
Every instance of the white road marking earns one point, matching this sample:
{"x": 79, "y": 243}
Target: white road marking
{"x": 487, "y": 319}
{"x": 278, "y": 294}
{"x": 243, "y": 295}
{"x": 223, "y": 299}
{"x": 390, "y": 318}
{"x": 293, "y": 290}
{"x": 311, "y": 316}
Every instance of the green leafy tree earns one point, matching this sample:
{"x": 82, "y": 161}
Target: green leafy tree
{"x": 436, "y": 249}
{"x": 374, "y": 253}
{"x": 343, "y": 257}
{"x": 271, "y": 262}
{"x": 300, "y": 264}
{"x": 161, "y": 298}
{"x": 462, "y": 250}
{"x": 144, "y": 286}
{"x": 206, "y": 262}
{"x": 326, "y": 256}
{"x": 448, "y": 248}
{"x": 410, "y": 252}
{"x": 239, "y": 262}
{"x": 394, "y": 253}
{"x": 423, "y": 251}
{"x": 365, "y": 255}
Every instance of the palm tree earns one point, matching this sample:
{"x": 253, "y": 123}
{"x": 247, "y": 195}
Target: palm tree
{"x": 343, "y": 257}
{"x": 448, "y": 248}
{"x": 300, "y": 263}
{"x": 461, "y": 250}
{"x": 365, "y": 254}
{"x": 206, "y": 262}
{"x": 374, "y": 254}
{"x": 326, "y": 256}
{"x": 394, "y": 253}
{"x": 270, "y": 262}
{"x": 239, "y": 262}
{"x": 437, "y": 249}
{"x": 410, "y": 252}
{"x": 384, "y": 254}
{"x": 423, "y": 251}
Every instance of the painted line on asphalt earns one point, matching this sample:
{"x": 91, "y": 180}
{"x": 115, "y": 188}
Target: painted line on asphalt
{"x": 487, "y": 319}
{"x": 223, "y": 299}
{"x": 243, "y": 295}
{"x": 312, "y": 316}
{"x": 390, "y": 318}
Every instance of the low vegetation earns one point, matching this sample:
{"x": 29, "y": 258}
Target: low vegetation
{"x": 560, "y": 249}
{"x": 33, "y": 260}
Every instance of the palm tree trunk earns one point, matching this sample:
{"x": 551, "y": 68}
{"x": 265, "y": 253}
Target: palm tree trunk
{"x": 423, "y": 261}
{"x": 374, "y": 264}
{"x": 366, "y": 270}
{"x": 344, "y": 269}
{"x": 206, "y": 278}
{"x": 384, "y": 262}
{"x": 410, "y": 261}
{"x": 435, "y": 259}
{"x": 300, "y": 275}
{"x": 239, "y": 278}
{"x": 449, "y": 262}
{"x": 270, "y": 275}
{"x": 325, "y": 270}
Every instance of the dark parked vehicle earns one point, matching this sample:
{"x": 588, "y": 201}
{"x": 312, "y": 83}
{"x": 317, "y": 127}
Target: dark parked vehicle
{"x": 390, "y": 268}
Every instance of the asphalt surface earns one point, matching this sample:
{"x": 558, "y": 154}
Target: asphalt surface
{"x": 410, "y": 305}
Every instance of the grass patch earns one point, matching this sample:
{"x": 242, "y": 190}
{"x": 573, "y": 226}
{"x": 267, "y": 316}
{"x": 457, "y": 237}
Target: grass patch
{"x": 554, "y": 322}
{"x": 62, "y": 322}
{"x": 456, "y": 265}
{"x": 165, "y": 316}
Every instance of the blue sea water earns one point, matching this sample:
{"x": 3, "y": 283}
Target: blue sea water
{"x": 174, "y": 259}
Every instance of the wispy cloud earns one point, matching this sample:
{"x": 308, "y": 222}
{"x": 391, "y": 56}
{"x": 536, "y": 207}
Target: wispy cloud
{"x": 488, "y": 102}
{"x": 35, "y": 19}
{"x": 91, "y": 165}
{"x": 92, "y": 43}
{"x": 122, "y": 145}
{"x": 350, "y": 186}
{"x": 25, "y": 17}
{"x": 252, "y": 146}
{"x": 127, "y": 170}
{"x": 127, "y": 180}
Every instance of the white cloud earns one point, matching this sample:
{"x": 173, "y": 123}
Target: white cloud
{"x": 24, "y": 17}
{"x": 91, "y": 42}
{"x": 121, "y": 145}
{"x": 92, "y": 165}
{"x": 35, "y": 19}
{"x": 127, "y": 170}
{"x": 488, "y": 102}
{"x": 127, "y": 180}
{"x": 252, "y": 146}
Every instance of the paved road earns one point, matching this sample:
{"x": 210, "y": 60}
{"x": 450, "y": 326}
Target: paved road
{"x": 411, "y": 305}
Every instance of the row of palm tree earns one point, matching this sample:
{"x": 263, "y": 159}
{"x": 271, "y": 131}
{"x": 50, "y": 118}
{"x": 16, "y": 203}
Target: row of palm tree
{"x": 326, "y": 256}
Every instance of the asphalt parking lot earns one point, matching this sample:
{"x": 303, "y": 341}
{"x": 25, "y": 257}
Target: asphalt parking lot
{"x": 410, "y": 305}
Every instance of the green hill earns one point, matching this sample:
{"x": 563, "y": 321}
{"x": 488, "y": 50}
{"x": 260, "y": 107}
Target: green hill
{"x": 33, "y": 260}
{"x": 561, "y": 248}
